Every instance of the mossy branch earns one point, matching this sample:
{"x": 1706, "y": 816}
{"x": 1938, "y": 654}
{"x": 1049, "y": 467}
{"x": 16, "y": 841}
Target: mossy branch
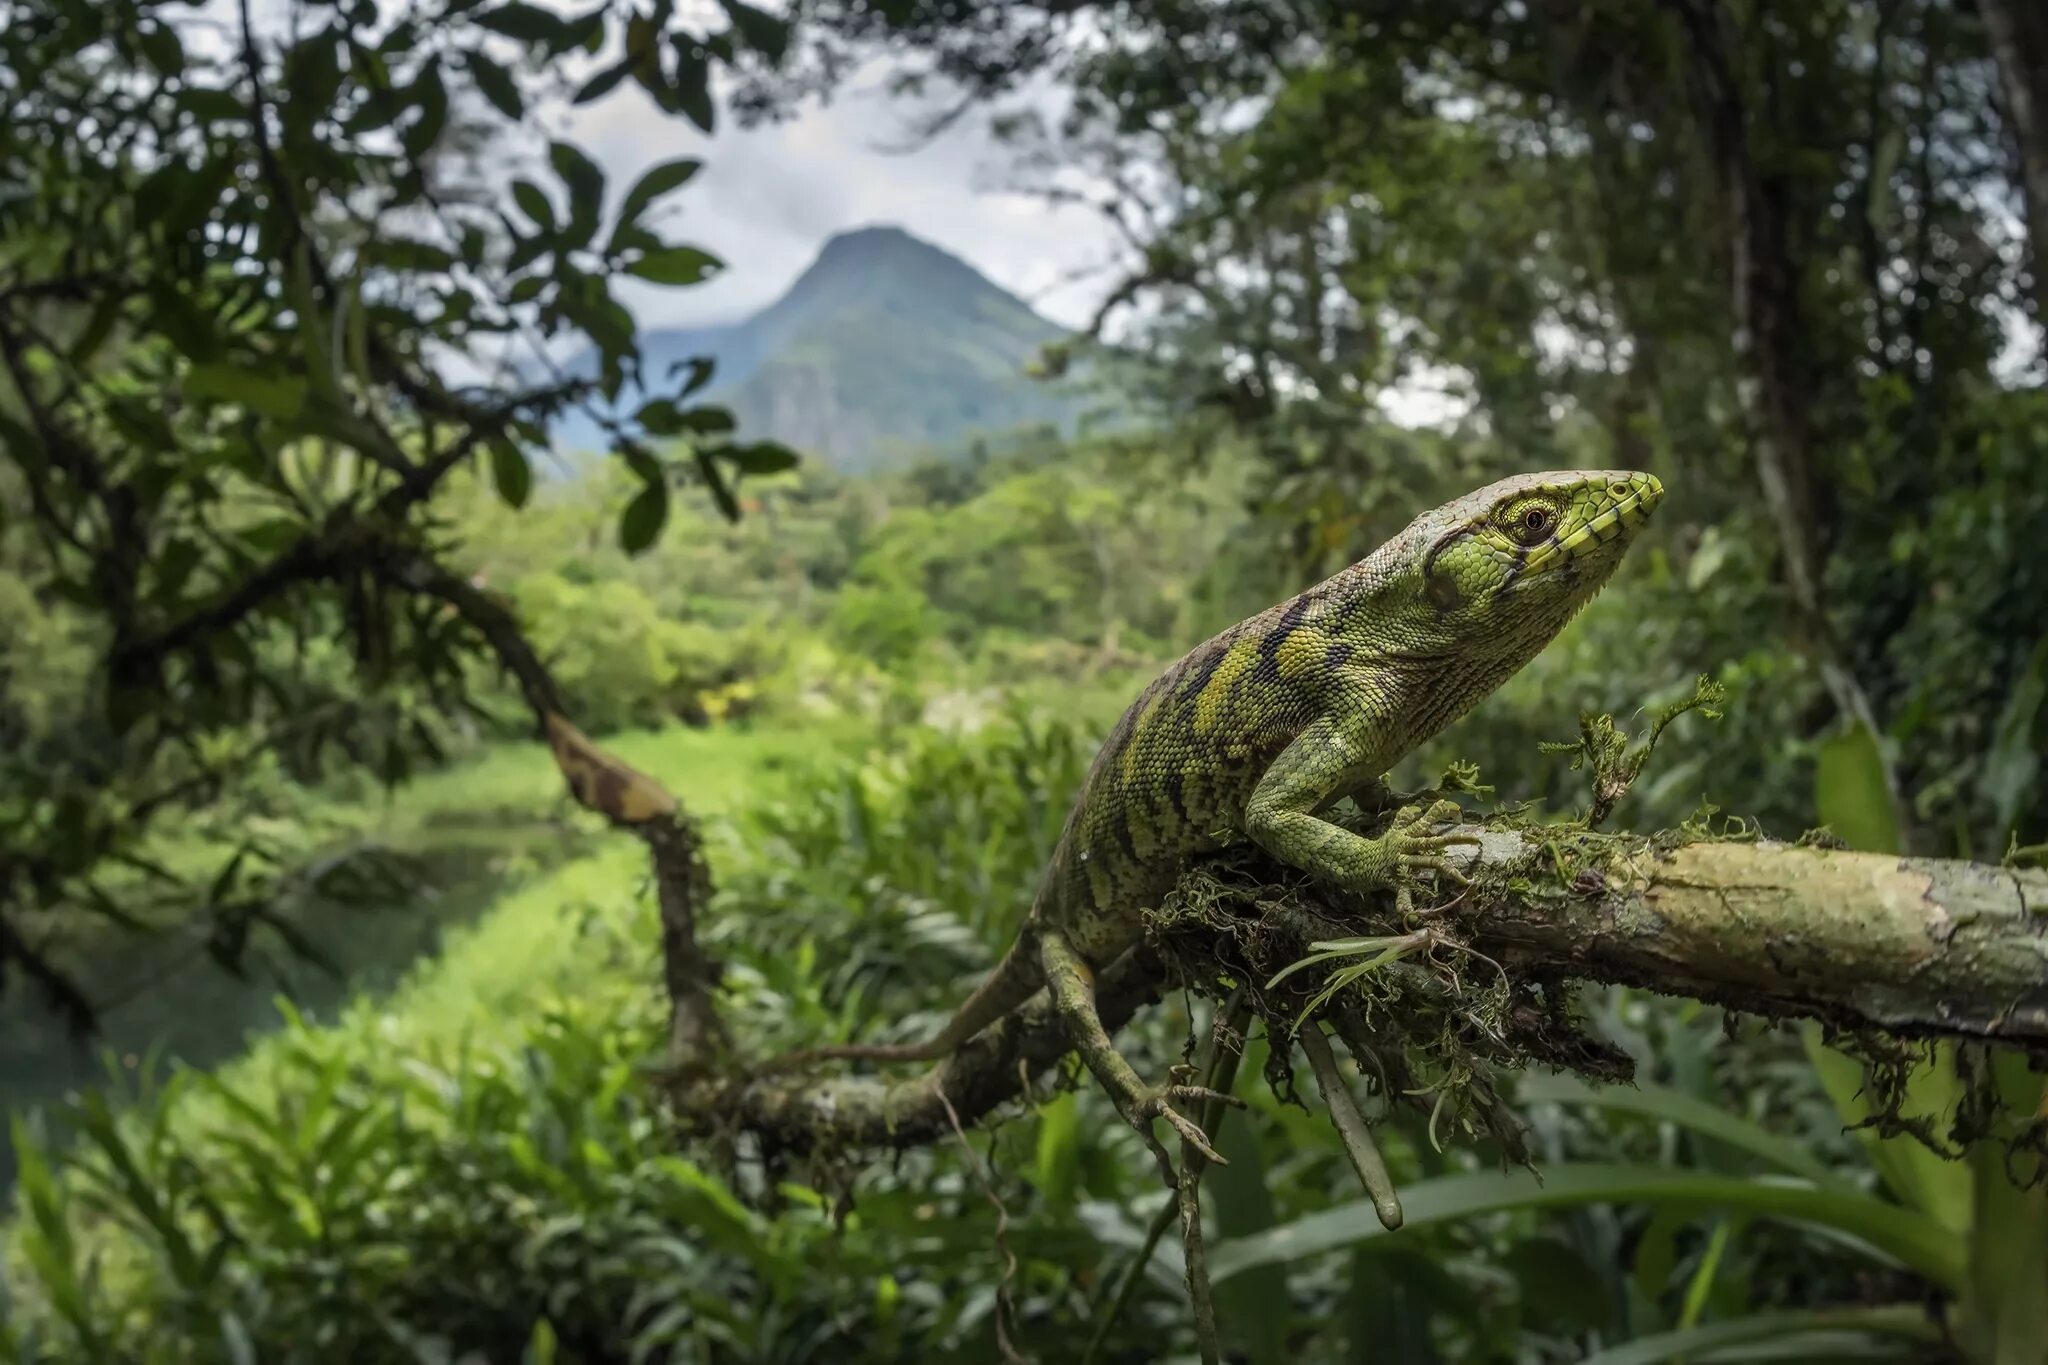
{"x": 1915, "y": 948}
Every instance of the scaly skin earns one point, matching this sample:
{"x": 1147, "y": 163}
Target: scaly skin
{"x": 1259, "y": 729}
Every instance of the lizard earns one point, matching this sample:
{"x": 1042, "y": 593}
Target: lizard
{"x": 1261, "y": 728}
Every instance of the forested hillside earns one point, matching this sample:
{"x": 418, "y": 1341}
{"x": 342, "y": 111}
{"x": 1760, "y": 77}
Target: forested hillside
{"x": 884, "y": 350}
{"x": 409, "y": 860}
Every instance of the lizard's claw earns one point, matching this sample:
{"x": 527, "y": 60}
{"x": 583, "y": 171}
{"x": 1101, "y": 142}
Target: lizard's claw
{"x": 1412, "y": 848}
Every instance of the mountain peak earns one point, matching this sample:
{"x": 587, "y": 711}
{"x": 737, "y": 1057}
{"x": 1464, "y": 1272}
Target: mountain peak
{"x": 875, "y": 239}
{"x": 881, "y": 258}
{"x": 884, "y": 345}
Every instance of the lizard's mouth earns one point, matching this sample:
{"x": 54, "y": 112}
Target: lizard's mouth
{"x": 1618, "y": 510}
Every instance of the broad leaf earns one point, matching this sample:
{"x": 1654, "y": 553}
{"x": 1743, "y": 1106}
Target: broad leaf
{"x": 1893, "y": 1232}
{"x": 1892, "y": 1322}
{"x": 496, "y": 84}
{"x": 511, "y": 473}
{"x": 582, "y": 176}
{"x": 640, "y": 525}
{"x": 274, "y": 395}
{"x": 1671, "y": 1106}
{"x": 662, "y": 179}
{"x": 677, "y": 265}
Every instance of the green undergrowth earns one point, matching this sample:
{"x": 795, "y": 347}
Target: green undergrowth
{"x": 472, "y": 1166}
{"x": 472, "y": 1158}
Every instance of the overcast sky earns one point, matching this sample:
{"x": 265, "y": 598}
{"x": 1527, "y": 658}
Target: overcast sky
{"x": 769, "y": 198}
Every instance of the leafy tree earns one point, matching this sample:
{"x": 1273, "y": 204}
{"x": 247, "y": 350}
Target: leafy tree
{"x": 258, "y": 303}
{"x": 1758, "y": 249}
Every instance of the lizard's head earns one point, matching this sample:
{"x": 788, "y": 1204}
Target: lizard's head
{"x": 1504, "y": 568}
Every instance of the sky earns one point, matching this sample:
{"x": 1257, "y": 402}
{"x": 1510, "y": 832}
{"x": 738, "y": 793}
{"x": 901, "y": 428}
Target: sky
{"x": 769, "y": 197}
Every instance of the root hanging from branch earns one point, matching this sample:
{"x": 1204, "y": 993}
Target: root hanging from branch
{"x": 1351, "y": 1127}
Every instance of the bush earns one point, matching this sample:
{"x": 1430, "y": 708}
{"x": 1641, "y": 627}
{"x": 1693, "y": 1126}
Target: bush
{"x": 622, "y": 664}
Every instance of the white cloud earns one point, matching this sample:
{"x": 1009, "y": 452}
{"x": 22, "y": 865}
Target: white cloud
{"x": 769, "y": 198}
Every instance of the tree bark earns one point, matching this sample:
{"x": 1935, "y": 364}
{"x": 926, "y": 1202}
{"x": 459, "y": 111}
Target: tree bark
{"x": 1869, "y": 943}
{"x": 2017, "y": 31}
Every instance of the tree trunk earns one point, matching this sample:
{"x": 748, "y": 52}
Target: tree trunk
{"x": 1766, "y": 337}
{"x": 2017, "y": 31}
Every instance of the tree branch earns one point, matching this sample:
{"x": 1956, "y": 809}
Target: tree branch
{"x": 601, "y": 782}
{"x": 1917, "y": 948}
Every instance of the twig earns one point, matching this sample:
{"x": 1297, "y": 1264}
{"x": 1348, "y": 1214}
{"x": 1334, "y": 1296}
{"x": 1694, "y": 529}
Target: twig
{"x": 1221, "y": 1055}
{"x": 1190, "y": 1204}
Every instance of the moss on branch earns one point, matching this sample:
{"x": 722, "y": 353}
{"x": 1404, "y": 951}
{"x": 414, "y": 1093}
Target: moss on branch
{"x": 1868, "y": 944}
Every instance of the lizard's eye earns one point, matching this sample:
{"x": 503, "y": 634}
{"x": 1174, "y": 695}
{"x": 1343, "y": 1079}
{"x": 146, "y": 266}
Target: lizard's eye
{"x": 1533, "y": 523}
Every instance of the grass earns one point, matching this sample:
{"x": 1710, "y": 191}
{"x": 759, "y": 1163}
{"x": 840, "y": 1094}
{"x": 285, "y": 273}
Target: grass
{"x": 513, "y": 890}
{"x": 516, "y": 892}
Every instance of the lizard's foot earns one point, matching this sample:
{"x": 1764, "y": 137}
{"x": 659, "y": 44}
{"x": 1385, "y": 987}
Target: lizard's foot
{"x": 1410, "y": 848}
{"x": 1072, "y": 984}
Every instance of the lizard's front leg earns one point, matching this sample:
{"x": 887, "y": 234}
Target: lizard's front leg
{"x": 1072, "y": 985}
{"x": 1323, "y": 761}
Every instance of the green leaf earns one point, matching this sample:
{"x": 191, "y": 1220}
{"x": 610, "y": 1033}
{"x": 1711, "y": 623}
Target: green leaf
{"x": 495, "y": 84}
{"x": 582, "y": 176}
{"x": 708, "y": 421}
{"x": 1900, "y": 1234}
{"x": 691, "y": 87}
{"x": 98, "y": 327}
{"x": 235, "y": 1339}
{"x": 1057, "y": 1164}
{"x": 2013, "y": 761}
{"x": 1671, "y": 1106}
{"x": 1557, "y": 1285}
{"x": 527, "y": 23}
{"x": 1850, "y": 791}
{"x": 646, "y": 466}
{"x": 430, "y": 93}
{"x": 209, "y": 104}
{"x": 534, "y": 204}
{"x": 761, "y": 30}
{"x": 662, "y": 179}
{"x": 603, "y": 83}
{"x": 1916, "y": 1176}
{"x": 586, "y": 32}
{"x": 1251, "y": 1308}
{"x": 661, "y": 417}
{"x": 700, "y": 367}
{"x": 511, "y": 473}
{"x": 2008, "y": 1232}
{"x": 540, "y": 1347}
{"x": 643, "y": 518}
{"x": 1907, "y": 1322}
{"x": 1390, "y": 1302}
{"x": 404, "y": 253}
{"x": 760, "y": 457}
{"x": 677, "y": 265}
{"x": 162, "y": 48}
{"x": 721, "y": 492}
{"x": 281, "y": 396}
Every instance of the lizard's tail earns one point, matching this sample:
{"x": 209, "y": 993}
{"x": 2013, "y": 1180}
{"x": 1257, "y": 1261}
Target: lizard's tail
{"x": 1015, "y": 979}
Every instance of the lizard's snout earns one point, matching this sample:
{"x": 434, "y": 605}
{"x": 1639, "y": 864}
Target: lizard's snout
{"x": 1636, "y": 497}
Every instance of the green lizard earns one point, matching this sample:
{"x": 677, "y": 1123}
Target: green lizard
{"x": 1258, "y": 730}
